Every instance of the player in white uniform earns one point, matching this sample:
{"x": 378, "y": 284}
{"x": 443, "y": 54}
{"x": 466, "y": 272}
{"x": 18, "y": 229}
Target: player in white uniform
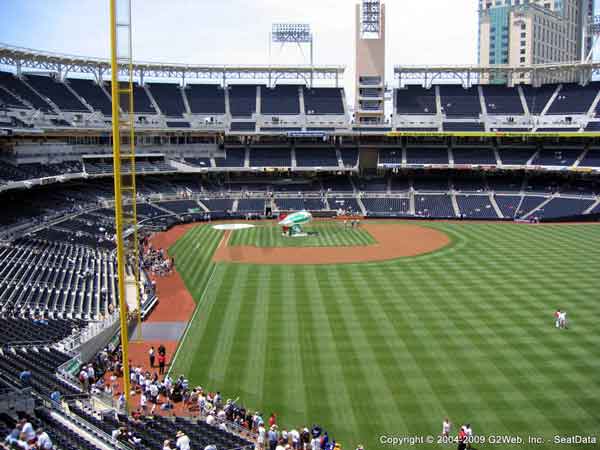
{"x": 446, "y": 427}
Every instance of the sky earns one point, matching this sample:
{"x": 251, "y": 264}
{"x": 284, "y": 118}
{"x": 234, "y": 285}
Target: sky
{"x": 237, "y": 31}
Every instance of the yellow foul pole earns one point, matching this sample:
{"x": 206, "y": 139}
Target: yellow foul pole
{"x": 116, "y": 124}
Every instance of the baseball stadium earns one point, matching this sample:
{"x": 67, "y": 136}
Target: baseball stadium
{"x": 366, "y": 254}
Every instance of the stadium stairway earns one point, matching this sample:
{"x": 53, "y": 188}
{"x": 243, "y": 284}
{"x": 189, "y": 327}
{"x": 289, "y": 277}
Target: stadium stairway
{"x": 495, "y": 205}
{"x": 537, "y": 208}
{"x": 455, "y": 204}
{"x": 592, "y": 206}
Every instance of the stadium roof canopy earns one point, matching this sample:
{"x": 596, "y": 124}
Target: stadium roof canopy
{"x": 469, "y": 74}
{"x": 63, "y": 64}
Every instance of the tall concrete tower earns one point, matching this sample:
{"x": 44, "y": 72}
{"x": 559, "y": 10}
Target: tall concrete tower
{"x": 370, "y": 62}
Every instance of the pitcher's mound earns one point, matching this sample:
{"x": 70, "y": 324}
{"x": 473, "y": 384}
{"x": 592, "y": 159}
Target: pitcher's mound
{"x": 393, "y": 241}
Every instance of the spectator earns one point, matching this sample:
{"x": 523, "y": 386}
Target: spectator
{"x": 183, "y": 442}
{"x": 43, "y": 440}
{"x": 151, "y": 356}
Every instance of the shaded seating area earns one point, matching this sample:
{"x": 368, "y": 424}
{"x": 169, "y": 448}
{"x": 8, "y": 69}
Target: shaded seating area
{"x": 323, "y": 101}
{"x": 205, "y": 98}
{"x": 415, "y": 99}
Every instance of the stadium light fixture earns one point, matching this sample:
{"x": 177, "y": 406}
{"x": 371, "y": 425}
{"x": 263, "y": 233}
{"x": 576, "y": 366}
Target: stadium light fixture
{"x": 292, "y": 33}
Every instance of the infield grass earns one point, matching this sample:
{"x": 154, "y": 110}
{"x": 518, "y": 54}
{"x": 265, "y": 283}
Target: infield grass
{"x": 391, "y": 348}
{"x": 326, "y": 234}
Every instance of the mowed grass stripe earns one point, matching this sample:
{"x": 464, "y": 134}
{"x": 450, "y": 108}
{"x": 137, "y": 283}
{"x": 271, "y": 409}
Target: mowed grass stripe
{"x": 469, "y": 331}
{"x": 325, "y": 234}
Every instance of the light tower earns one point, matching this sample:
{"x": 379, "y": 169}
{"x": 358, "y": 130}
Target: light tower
{"x": 370, "y": 62}
{"x": 292, "y": 33}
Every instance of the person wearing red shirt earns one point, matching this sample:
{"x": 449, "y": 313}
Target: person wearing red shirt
{"x": 272, "y": 420}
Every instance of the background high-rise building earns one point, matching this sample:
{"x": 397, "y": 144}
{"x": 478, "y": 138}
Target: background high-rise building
{"x": 526, "y": 32}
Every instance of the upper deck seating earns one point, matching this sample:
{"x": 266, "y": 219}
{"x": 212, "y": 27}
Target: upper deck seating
{"x": 234, "y": 157}
{"x": 205, "y": 98}
{"x": 459, "y": 102}
{"x": 323, "y": 101}
{"x": 537, "y": 98}
{"x": 16, "y": 86}
{"x": 242, "y": 100}
{"x": 502, "y": 100}
{"x": 282, "y": 99}
{"x": 168, "y": 98}
{"x": 57, "y": 92}
{"x": 415, "y": 99}
{"x": 270, "y": 157}
{"x": 574, "y": 99}
{"x": 93, "y": 94}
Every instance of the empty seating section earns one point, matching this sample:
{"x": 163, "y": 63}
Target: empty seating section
{"x": 146, "y": 210}
{"x": 347, "y": 205}
{"x": 205, "y": 98}
{"x": 476, "y": 207}
{"x": 21, "y": 90}
{"x": 386, "y": 206}
{"x": 463, "y": 126}
{"x": 168, "y": 97}
{"x": 178, "y": 124}
{"x": 374, "y": 185}
{"x": 591, "y": 159}
{"x": 243, "y": 126}
{"x": 574, "y": 99}
{"x": 323, "y": 101}
{"x": 338, "y": 184}
{"x": 469, "y": 183}
{"x": 242, "y": 100}
{"x": 93, "y": 94}
{"x": 415, "y": 99}
{"x": 506, "y": 183}
{"x": 439, "y": 206}
{"x": 61, "y": 279}
{"x": 430, "y": 183}
{"x": 270, "y": 157}
{"x": 474, "y": 156}
{"x": 256, "y": 205}
{"x": 218, "y": 204}
{"x": 557, "y": 157}
{"x": 593, "y": 126}
{"x": 181, "y": 206}
{"x": 432, "y": 155}
{"x": 398, "y": 184}
{"x": 10, "y": 101}
{"x": 459, "y": 102}
{"x": 563, "y": 207}
{"x": 234, "y": 157}
{"x": 42, "y": 364}
{"x": 57, "y": 92}
{"x": 141, "y": 101}
{"x": 282, "y": 99}
{"x": 298, "y": 204}
{"x": 538, "y": 98}
{"x": 10, "y": 172}
{"x": 316, "y": 157}
{"x": 349, "y": 156}
{"x": 508, "y": 205}
{"x": 392, "y": 156}
{"x": 515, "y": 156}
{"x": 15, "y": 331}
{"x": 528, "y": 204}
{"x": 502, "y": 100}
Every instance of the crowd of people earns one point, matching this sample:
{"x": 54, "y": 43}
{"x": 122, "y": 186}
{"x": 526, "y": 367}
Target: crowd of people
{"x": 25, "y": 437}
{"x": 156, "y": 261}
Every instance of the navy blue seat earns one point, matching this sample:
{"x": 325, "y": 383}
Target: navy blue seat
{"x": 282, "y": 99}
{"x": 459, "y": 102}
{"x": 57, "y": 92}
{"x": 323, "y": 101}
{"x": 415, "y": 99}
{"x": 242, "y": 100}
{"x": 502, "y": 100}
{"x": 92, "y": 93}
{"x": 205, "y": 98}
{"x": 168, "y": 98}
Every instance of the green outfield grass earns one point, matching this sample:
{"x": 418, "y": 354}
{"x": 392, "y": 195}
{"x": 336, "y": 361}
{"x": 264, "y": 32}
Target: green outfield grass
{"x": 391, "y": 348}
{"x": 326, "y": 234}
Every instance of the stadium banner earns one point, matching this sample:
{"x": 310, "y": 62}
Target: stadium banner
{"x": 559, "y": 134}
{"x": 318, "y": 134}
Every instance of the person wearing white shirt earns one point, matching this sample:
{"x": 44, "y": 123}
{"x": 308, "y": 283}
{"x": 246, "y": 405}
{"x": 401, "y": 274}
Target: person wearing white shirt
{"x": 315, "y": 444}
{"x": 27, "y": 430}
{"x": 210, "y": 419}
{"x": 43, "y": 440}
{"x": 183, "y": 442}
{"x": 143, "y": 401}
{"x": 446, "y": 427}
